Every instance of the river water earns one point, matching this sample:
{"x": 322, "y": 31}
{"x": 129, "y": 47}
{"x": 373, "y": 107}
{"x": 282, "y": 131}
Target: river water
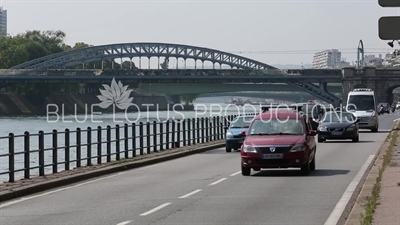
{"x": 19, "y": 125}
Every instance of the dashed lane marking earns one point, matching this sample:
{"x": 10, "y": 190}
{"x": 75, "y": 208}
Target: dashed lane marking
{"x": 125, "y": 222}
{"x": 234, "y": 174}
{"x": 191, "y": 193}
{"x": 217, "y": 182}
{"x": 155, "y": 209}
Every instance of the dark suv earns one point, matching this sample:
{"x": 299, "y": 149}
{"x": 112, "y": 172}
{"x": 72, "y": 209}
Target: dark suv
{"x": 279, "y": 138}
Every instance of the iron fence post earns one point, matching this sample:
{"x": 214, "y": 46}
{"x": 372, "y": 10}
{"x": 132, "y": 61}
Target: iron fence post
{"x": 167, "y": 132}
{"x": 89, "y": 147}
{"x": 141, "y": 138}
{"x": 161, "y": 137}
{"x": 99, "y": 144}
{"x": 67, "y": 149}
{"x": 11, "y": 159}
{"x": 117, "y": 143}
{"x": 27, "y": 155}
{"x": 155, "y": 136}
{"x": 108, "y": 143}
{"x": 126, "y": 141}
{"x": 41, "y": 153}
{"x": 55, "y": 151}
{"x": 78, "y": 147}
{"x": 134, "y": 139}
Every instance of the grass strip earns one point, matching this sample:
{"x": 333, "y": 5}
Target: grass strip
{"x": 366, "y": 219}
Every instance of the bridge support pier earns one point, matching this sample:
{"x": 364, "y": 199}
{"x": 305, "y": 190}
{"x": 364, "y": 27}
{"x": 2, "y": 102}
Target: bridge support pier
{"x": 176, "y": 99}
{"x": 377, "y": 80}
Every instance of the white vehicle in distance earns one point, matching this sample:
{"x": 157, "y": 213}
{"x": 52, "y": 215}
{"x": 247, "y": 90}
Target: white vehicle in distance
{"x": 362, "y": 103}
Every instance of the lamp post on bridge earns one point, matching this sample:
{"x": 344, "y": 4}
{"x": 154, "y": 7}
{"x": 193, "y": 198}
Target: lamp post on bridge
{"x": 360, "y": 54}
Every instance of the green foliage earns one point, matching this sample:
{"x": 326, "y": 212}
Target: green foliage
{"x": 34, "y": 44}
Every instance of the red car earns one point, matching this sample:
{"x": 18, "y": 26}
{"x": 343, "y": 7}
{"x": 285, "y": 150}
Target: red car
{"x": 279, "y": 139}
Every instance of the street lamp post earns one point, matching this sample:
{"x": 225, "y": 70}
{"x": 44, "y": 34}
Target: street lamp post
{"x": 360, "y": 55}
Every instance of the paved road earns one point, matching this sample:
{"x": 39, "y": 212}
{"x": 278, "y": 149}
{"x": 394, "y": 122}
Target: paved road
{"x": 205, "y": 188}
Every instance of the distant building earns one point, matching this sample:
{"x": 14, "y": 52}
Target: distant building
{"x": 371, "y": 60}
{"x": 3, "y": 21}
{"x": 328, "y": 59}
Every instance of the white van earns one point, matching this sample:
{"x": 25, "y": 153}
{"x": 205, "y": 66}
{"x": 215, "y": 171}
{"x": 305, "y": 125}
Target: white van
{"x": 361, "y": 102}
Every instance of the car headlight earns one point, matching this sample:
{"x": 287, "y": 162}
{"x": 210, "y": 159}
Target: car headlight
{"x": 229, "y": 135}
{"x": 322, "y": 128}
{"x": 372, "y": 115}
{"x": 297, "y": 148}
{"x": 249, "y": 148}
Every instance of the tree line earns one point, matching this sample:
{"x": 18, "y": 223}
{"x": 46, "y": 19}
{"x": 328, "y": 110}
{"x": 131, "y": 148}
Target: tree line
{"x": 34, "y": 44}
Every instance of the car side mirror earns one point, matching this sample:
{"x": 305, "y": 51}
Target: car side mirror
{"x": 312, "y": 133}
{"x": 242, "y": 134}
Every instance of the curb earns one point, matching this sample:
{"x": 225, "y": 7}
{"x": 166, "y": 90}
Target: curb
{"x": 355, "y": 207}
{"x": 62, "y": 181}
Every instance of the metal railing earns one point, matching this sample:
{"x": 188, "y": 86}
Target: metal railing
{"x": 62, "y": 150}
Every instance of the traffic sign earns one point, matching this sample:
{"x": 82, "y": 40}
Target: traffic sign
{"x": 389, "y": 3}
{"x": 389, "y": 28}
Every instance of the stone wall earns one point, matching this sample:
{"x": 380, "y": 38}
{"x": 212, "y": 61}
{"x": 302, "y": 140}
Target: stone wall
{"x": 381, "y": 81}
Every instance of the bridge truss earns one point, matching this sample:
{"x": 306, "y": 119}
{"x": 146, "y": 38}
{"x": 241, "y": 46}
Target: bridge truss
{"x": 167, "y": 50}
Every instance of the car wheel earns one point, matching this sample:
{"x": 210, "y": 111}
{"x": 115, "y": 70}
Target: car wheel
{"x": 305, "y": 170}
{"x": 356, "y": 139}
{"x": 235, "y": 149}
{"x": 246, "y": 171}
{"x": 228, "y": 149}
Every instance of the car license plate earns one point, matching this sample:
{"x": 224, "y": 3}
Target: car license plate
{"x": 336, "y": 133}
{"x": 273, "y": 156}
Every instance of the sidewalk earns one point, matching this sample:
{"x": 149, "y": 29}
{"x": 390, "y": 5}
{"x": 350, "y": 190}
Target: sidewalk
{"x": 377, "y": 200}
{"x": 387, "y": 210}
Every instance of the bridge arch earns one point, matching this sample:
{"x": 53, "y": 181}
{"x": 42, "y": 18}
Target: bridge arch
{"x": 391, "y": 91}
{"x": 133, "y": 50}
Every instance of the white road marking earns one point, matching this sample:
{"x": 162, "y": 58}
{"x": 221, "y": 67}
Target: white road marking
{"x": 344, "y": 200}
{"x": 124, "y": 223}
{"x": 191, "y": 193}
{"x": 234, "y": 174}
{"x": 74, "y": 186}
{"x": 155, "y": 209}
{"x": 216, "y": 182}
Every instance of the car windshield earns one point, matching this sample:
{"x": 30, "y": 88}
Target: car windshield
{"x": 241, "y": 122}
{"x": 361, "y": 103}
{"x": 338, "y": 117}
{"x": 277, "y": 127}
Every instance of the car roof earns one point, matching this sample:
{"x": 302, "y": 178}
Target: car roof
{"x": 280, "y": 113}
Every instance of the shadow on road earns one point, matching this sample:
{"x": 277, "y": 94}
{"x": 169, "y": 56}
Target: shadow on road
{"x": 292, "y": 173}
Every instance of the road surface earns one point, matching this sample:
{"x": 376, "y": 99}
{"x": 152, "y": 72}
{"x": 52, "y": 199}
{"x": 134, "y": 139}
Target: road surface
{"x": 207, "y": 188}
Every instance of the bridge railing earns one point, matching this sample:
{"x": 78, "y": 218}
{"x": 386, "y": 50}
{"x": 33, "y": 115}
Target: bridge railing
{"x": 51, "y": 152}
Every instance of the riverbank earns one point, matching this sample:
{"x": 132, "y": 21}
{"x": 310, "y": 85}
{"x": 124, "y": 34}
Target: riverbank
{"x": 72, "y": 104}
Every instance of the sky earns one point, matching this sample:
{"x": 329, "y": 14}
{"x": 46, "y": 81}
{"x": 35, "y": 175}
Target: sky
{"x": 233, "y": 26}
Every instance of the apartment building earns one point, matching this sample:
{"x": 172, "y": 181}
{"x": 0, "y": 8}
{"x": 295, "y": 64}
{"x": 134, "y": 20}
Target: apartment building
{"x": 328, "y": 59}
{"x": 3, "y": 21}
